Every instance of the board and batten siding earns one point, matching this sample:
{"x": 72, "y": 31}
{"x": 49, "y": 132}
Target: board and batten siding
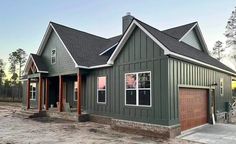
{"x": 192, "y": 39}
{"x": 139, "y": 54}
{"x": 64, "y": 63}
{"x": 185, "y": 73}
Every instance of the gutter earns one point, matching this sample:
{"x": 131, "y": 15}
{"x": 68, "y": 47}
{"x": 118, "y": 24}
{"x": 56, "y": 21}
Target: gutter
{"x": 175, "y": 55}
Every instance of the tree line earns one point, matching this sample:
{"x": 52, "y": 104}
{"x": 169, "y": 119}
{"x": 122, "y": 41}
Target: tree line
{"x": 16, "y": 60}
{"x": 227, "y": 51}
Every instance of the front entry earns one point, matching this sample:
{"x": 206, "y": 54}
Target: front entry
{"x": 193, "y": 107}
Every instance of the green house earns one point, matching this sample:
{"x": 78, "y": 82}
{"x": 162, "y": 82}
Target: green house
{"x": 160, "y": 82}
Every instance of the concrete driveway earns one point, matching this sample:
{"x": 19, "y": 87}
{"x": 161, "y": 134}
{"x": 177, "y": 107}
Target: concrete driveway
{"x": 212, "y": 134}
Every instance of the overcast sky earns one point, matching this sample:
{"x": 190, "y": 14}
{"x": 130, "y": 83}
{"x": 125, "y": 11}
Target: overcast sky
{"x": 24, "y": 22}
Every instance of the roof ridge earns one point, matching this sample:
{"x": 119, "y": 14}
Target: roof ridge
{"x": 78, "y": 30}
{"x": 180, "y": 26}
{"x": 183, "y": 44}
{"x": 114, "y": 36}
{"x": 157, "y": 30}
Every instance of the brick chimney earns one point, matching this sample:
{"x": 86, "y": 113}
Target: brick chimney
{"x": 126, "y": 20}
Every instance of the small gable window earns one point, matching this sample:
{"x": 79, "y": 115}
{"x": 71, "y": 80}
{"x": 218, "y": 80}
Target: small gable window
{"x": 101, "y": 90}
{"x": 138, "y": 89}
{"x": 33, "y": 91}
{"x": 53, "y": 56}
{"x": 221, "y": 87}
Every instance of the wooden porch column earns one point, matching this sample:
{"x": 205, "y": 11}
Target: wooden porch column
{"x": 60, "y": 93}
{"x": 79, "y": 93}
{"x": 28, "y": 95}
{"x": 47, "y": 93}
{"x": 40, "y": 94}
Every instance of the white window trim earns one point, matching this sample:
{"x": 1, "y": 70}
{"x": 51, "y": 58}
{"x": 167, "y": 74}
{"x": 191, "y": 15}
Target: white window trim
{"x": 54, "y": 56}
{"x": 137, "y": 90}
{"x": 31, "y": 92}
{"x": 74, "y": 92}
{"x": 102, "y": 90}
{"x": 222, "y": 87}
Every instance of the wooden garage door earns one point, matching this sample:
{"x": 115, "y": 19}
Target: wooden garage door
{"x": 193, "y": 107}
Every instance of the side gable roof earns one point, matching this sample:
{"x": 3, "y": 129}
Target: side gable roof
{"x": 172, "y": 47}
{"x": 84, "y": 48}
{"x": 184, "y": 49}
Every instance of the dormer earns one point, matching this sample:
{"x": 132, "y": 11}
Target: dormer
{"x": 189, "y": 34}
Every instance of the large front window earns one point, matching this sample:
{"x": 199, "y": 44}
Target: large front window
{"x": 138, "y": 89}
{"x": 33, "y": 91}
{"x": 101, "y": 89}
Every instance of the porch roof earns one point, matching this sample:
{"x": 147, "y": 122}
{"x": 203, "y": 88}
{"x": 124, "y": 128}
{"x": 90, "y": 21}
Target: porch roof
{"x": 38, "y": 61}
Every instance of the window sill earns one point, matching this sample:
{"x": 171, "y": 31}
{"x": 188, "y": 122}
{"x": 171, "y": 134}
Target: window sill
{"x": 138, "y": 106}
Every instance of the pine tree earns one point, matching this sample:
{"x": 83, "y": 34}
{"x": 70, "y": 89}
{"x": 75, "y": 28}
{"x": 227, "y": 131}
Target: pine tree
{"x": 230, "y": 34}
{"x": 2, "y": 73}
{"x": 218, "y": 50}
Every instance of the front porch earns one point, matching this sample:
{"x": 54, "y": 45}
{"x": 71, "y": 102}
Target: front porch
{"x": 57, "y": 94}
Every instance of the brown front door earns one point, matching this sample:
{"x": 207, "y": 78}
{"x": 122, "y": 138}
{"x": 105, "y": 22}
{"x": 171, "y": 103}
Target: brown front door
{"x": 193, "y": 107}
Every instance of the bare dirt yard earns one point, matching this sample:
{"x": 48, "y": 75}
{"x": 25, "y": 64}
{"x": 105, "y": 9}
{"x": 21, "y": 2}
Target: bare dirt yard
{"x": 17, "y": 130}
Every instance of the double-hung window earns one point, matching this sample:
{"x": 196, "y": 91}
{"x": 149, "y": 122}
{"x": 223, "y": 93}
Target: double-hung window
{"x": 33, "y": 91}
{"x": 53, "y": 56}
{"x": 101, "y": 90}
{"x": 138, "y": 89}
{"x": 75, "y": 90}
{"x": 221, "y": 87}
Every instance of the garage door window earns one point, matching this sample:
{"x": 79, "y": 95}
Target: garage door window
{"x": 138, "y": 89}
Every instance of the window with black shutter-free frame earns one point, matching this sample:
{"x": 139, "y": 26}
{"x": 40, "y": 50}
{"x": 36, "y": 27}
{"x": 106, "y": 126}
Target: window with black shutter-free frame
{"x": 53, "y": 56}
{"x": 138, "y": 89}
{"x": 101, "y": 90}
{"x": 32, "y": 91}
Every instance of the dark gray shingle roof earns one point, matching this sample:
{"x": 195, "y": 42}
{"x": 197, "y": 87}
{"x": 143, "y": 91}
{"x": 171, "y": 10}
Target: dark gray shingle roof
{"x": 182, "y": 48}
{"x": 111, "y": 42}
{"x": 180, "y": 31}
{"x": 39, "y": 62}
{"x": 84, "y": 47}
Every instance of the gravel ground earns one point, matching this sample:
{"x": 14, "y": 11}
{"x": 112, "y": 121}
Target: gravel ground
{"x": 16, "y": 130}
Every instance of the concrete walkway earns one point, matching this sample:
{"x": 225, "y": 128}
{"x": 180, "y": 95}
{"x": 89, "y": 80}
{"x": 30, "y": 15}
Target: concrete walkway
{"x": 212, "y": 134}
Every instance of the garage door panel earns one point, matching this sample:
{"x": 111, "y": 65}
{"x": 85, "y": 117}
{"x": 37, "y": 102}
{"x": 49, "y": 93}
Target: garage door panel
{"x": 193, "y": 107}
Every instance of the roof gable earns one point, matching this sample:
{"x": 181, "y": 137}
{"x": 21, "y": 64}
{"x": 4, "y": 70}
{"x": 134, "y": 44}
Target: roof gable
{"x": 180, "y": 31}
{"x": 192, "y": 39}
{"x": 172, "y": 47}
{"x": 189, "y": 34}
{"x": 83, "y": 48}
{"x": 37, "y": 61}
